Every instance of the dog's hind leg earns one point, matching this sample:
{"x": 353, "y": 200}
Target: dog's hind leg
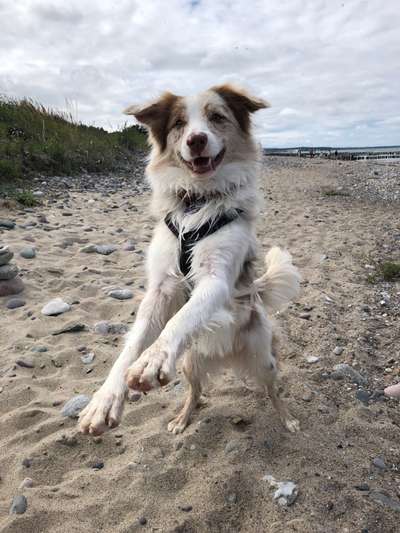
{"x": 262, "y": 342}
{"x": 191, "y": 371}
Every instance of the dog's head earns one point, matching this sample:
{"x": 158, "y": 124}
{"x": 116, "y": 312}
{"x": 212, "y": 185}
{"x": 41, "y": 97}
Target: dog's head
{"x": 202, "y": 133}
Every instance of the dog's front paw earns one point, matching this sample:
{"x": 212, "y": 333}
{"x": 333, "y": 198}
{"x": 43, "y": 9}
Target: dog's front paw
{"x": 103, "y": 412}
{"x": 154, "y": 368}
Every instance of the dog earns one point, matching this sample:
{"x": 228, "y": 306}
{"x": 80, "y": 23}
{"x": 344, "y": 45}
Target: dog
{"x": 203, "y": 302}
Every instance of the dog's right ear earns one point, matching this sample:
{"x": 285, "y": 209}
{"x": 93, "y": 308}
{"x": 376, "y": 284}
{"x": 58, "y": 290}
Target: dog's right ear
{"x": 155, "y": 115}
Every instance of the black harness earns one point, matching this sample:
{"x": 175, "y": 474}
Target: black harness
{"x": 190, "y": 238}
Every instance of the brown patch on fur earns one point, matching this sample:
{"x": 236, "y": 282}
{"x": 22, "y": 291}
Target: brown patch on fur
{"x": 240, "y": 103}
{"x": 157, "y": 116}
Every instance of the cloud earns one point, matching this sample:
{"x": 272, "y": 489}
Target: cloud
{"x": 328, "y": 68}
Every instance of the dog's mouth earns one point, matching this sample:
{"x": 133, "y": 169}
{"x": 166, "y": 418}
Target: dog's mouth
{"x": 203, "y": 165}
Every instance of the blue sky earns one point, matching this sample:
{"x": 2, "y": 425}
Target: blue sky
{"x": 330, "y": 69}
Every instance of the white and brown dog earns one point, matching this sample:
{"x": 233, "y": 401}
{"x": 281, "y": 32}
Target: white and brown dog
{"x": 203, "y": 301}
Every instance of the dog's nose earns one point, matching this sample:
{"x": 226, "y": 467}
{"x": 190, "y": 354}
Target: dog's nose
{"x": 197, "y": 142}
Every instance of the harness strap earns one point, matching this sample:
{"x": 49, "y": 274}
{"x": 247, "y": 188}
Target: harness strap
{"x": 190, "y": 238}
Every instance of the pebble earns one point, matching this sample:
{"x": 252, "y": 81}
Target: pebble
{"x": 75, "y": 405}
{"x": 27, "y": 483}
{"x": 129, "y": 246}
{"x": 98, "y": 465}
{"x": 134, "y": 396}
{"x": 363, "y": 487}
{"x": 105, "y": 328}
{"x": 8, "y": 272}
{"x": 71, "y": 327}
{"x": 363, "y": 396}
{"x": 305, "y": 316}
{"x": 384, "y": 500}
{"x": 312, "y": 359}
{"x": 55, "y": 307}
{"x": 121, "y": 294}
{"x": 378, "y": 462}
{"x": 338, "y": 350}
{"x": 19, "y": 505}
{"x": 343, "y": 370}
{"x": 142, "y": 521}
{"x": 28, "y": 253}
{"x": 393, "y": 391}
{"x": 7, "y": 224}
{"x": 25, "y": 363}
{"x": 105, "y": 249}
{"x": 286, "y": 493}
{"x": 11, "y": 286}
{"x": 39, "y": 349}
{"x": 14, "y": 303}
{"x": 87, "y": 358}
{"x": 186, "y": 508}
{"x": 27, "y": 463}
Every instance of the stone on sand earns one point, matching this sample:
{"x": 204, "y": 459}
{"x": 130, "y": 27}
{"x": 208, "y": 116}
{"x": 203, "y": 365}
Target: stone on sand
{"x": 55, "y": 307}
{"x": 28, "y": 252}
{"x": 75, "y": 405}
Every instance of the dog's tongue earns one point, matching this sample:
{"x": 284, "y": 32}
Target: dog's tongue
{"x": 202, "y": 164}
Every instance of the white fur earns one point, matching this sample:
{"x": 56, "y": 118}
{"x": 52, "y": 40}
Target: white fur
{"x": 223, "y": 322}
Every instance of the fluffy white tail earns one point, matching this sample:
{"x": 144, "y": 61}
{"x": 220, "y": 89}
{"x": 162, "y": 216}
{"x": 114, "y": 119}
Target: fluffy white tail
{"x": 281, "y": 282}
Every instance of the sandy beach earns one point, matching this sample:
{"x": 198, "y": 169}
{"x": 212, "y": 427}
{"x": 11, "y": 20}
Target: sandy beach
{"x": 339, "y": 222}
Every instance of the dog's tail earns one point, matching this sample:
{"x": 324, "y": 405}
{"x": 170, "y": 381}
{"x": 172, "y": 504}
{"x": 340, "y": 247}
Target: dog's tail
{"x": 281, "y": 282}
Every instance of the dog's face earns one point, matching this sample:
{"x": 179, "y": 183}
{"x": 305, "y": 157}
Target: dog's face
{"x": 199, "y": 133}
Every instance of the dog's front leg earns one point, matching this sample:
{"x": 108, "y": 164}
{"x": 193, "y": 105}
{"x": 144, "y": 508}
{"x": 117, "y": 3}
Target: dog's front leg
{"x": 105, "y": 408}
{"x": 156, "y": 365}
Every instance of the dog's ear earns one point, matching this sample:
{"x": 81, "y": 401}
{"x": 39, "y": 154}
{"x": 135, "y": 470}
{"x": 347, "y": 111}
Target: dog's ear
{"x": 155, "y": 116}
{"x": 241, "y": 103}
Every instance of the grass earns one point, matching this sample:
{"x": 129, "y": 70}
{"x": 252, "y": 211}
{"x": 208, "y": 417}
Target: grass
{"x": 34, "y": 140}
{"x": 26, "y": 198}
{"x": 385, "y": 271}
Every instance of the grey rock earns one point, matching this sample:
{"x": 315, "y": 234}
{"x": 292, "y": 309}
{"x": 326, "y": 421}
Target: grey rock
{"x": 305, "y": 316}
{"x": 338, "y": 350}
{"x": 11, "y": 286}
{"x": 383, "y": 499}
{"x": 105, "y": 328}
{"x": 105, "y": 249}
{"x": 363, "y": 396}
{"x": 55, "y": 307}
{"x": 286, "y": 493}
{"x": 28, "y": 252}
{"x": 87, "y": 358}
{"x": 14, "y": 303}
{"x": 8, "y": 272}
{"x": 27, "y": 463}
{"x": 39, "y": 349}
{"x": 38, "y": 194}
{"x": 121, "y": 294}
{"x": 378, "y": 462}
{"x": 75, "y": 405}
{"x": 19, "y": 505}
{"x": 7, "y": 224}
{"x": 25, "y": 363}
{"x": 343, "y": 370}
{"x": 70, "y": 327}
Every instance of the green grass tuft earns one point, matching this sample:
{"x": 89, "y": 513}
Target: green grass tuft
{"x": 390, "y": 270}
{"x": 26, "y": 198}
{"x": 333, "y": 192}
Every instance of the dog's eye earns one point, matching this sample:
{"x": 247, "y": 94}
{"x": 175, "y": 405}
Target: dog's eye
{"x": 179, "y": 123}
{"x": 216, "y": 117}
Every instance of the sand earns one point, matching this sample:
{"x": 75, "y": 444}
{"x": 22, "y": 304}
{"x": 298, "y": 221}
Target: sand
{"x": 210, "y": 478}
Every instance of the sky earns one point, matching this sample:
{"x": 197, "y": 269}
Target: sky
{"x": 329, "y": 68}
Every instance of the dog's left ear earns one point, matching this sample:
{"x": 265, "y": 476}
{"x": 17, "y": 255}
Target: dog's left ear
{"x": 155, "y": 115}
{"x": 241, "y": 103}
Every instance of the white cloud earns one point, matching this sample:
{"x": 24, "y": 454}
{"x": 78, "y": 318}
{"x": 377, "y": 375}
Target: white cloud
{"x": 329, "y": 69}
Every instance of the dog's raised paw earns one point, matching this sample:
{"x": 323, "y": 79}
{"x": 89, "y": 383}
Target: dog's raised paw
{"x": 150, "y": 371}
